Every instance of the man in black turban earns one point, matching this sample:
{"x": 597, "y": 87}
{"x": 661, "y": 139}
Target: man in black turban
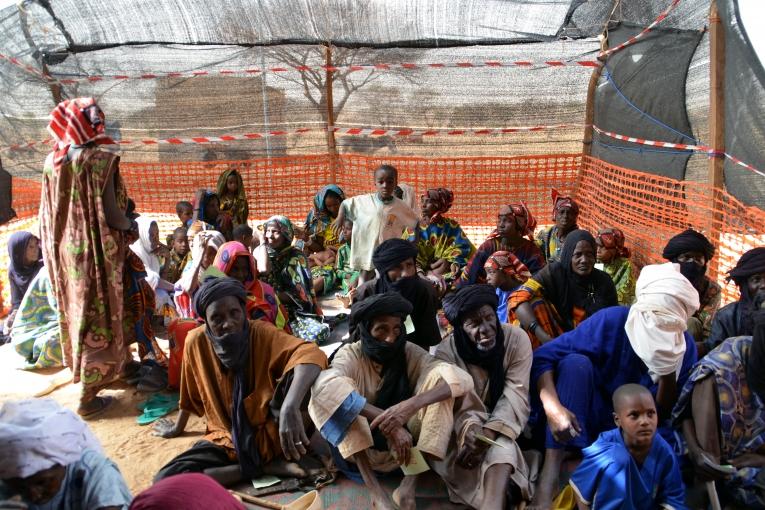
{"x": 498, "y": 357}
{"x": 234, "y": 371}
{"x": 737, "y": 319}
{"x": 395, "y": 262}
{"x": 693, "y": 251}
{"x": 382, "y": 395}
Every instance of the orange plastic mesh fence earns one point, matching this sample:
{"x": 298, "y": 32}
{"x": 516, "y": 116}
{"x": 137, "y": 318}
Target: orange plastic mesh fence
{"x": 650, "y": 209}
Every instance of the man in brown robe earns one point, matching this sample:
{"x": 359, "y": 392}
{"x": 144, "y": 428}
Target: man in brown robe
{"x": 486, "y": 465}
{"x": 248, "y": 379}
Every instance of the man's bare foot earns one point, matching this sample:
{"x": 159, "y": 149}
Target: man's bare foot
{"x": 547, "y": 486}
{"x": 404, "y": 495}
{"x": 284, "y": 469}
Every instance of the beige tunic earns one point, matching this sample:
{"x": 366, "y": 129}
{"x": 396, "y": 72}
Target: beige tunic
{"x": 508, "y": 419}
{"x": 351, "y": 370}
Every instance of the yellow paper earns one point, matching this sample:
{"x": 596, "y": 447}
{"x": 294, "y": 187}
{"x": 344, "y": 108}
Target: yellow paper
{"x": 416, "y": 464}
{"x": 485, "y": 439}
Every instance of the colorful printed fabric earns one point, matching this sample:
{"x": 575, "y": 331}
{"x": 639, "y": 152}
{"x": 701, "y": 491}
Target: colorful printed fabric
{"x": 547, "y": 315}
{"x": 509, "y": 264}
{"x": 174, "y": 265}
{"x": 290, "y": 274}
{"x": 525, "y": 222}
{"x": 621, "y": 272}
{"x": 85, "y": 258}
{"x": 742, "y": 412}
{"x": 343, "y": 270}
{"x": 550, "y": 244}
{"x": 35, "y": 333}
{"x": 139, "y": 310}
{"x": 262, "y": 301}
{"x": 77, "y": 122}
{"x": 444, "y": 239}
{"x": 527, "y": 252}
{"x": 235, "y": 206}
{"x": 318, "y": 221}
{"x": 710, "y": 303}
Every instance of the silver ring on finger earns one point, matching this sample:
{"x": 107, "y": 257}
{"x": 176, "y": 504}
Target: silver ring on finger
{"x": 299, "y": 443}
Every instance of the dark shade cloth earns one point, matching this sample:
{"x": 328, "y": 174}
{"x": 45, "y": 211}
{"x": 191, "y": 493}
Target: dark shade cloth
{"x": 750, "y": 263}
{"x": 190, "y": 491}
{"x": 689, "y": 240}
{"x": 20, "y": 275}
{"x": 565, "y": 289}
{"x": 391, "y": 253}
{"x": 755, "y": 369}
{"x": 456, "y": 307}
{"x": 214, "y": 289}
{"x": 394, "y": 387}
{"x": 201, "y": 456}
{"x": 233, "y": 351}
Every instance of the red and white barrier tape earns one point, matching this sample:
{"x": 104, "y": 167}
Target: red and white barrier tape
{"x": 286, "y": 69}
{"x": 680, "y": 146}
{"x": 341, "y": 131}
{"x": 633, "y": 40}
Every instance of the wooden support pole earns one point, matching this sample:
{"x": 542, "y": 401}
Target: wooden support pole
{"x": 716, "y": 96}
{"x": 716, "y": 125}
{"x": 331, "y": 146}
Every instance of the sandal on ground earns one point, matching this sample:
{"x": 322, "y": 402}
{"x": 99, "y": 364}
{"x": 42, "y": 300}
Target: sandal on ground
{"x": 104, "y": 404}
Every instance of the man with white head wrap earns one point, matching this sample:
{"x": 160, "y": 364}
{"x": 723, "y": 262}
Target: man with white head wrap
{"x": 52, "y": 460}
{"x": 577, "y": 373}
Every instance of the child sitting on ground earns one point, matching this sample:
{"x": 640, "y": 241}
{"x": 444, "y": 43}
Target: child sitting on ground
{"x": 377, "y": 216}
{"x": 346, "y": 276}
{"x": 630, "y": 467}
{"x": 244, "y": 234}
{"x": 179, "y": 256}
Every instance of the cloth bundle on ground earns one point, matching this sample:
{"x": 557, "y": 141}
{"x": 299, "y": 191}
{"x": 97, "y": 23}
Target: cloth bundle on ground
{"x": 657, "y": 320}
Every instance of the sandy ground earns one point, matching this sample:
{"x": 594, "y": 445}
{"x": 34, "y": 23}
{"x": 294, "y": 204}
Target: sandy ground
{"x": 136, "y": 451}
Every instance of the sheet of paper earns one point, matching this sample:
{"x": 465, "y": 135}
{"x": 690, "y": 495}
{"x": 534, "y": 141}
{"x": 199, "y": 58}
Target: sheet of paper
{"x": 417, "y": 464}
{"x": 265, "y": 481}
{"x": 485, "y": 439}
{"x": 409, "y": 325}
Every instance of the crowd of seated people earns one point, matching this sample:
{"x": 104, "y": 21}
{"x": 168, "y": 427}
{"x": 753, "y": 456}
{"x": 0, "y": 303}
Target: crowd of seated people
{"x": 459, "y": 360}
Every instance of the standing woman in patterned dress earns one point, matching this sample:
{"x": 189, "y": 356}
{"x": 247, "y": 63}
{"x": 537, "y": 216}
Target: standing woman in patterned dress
{"x": 82, "y": 224}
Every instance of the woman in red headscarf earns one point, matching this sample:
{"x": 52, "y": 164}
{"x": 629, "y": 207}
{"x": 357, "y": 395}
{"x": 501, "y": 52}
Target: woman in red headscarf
{"x": 615, "y": 259}
{"x": 82, "y": 226}
{"x": 515, "y": 234}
